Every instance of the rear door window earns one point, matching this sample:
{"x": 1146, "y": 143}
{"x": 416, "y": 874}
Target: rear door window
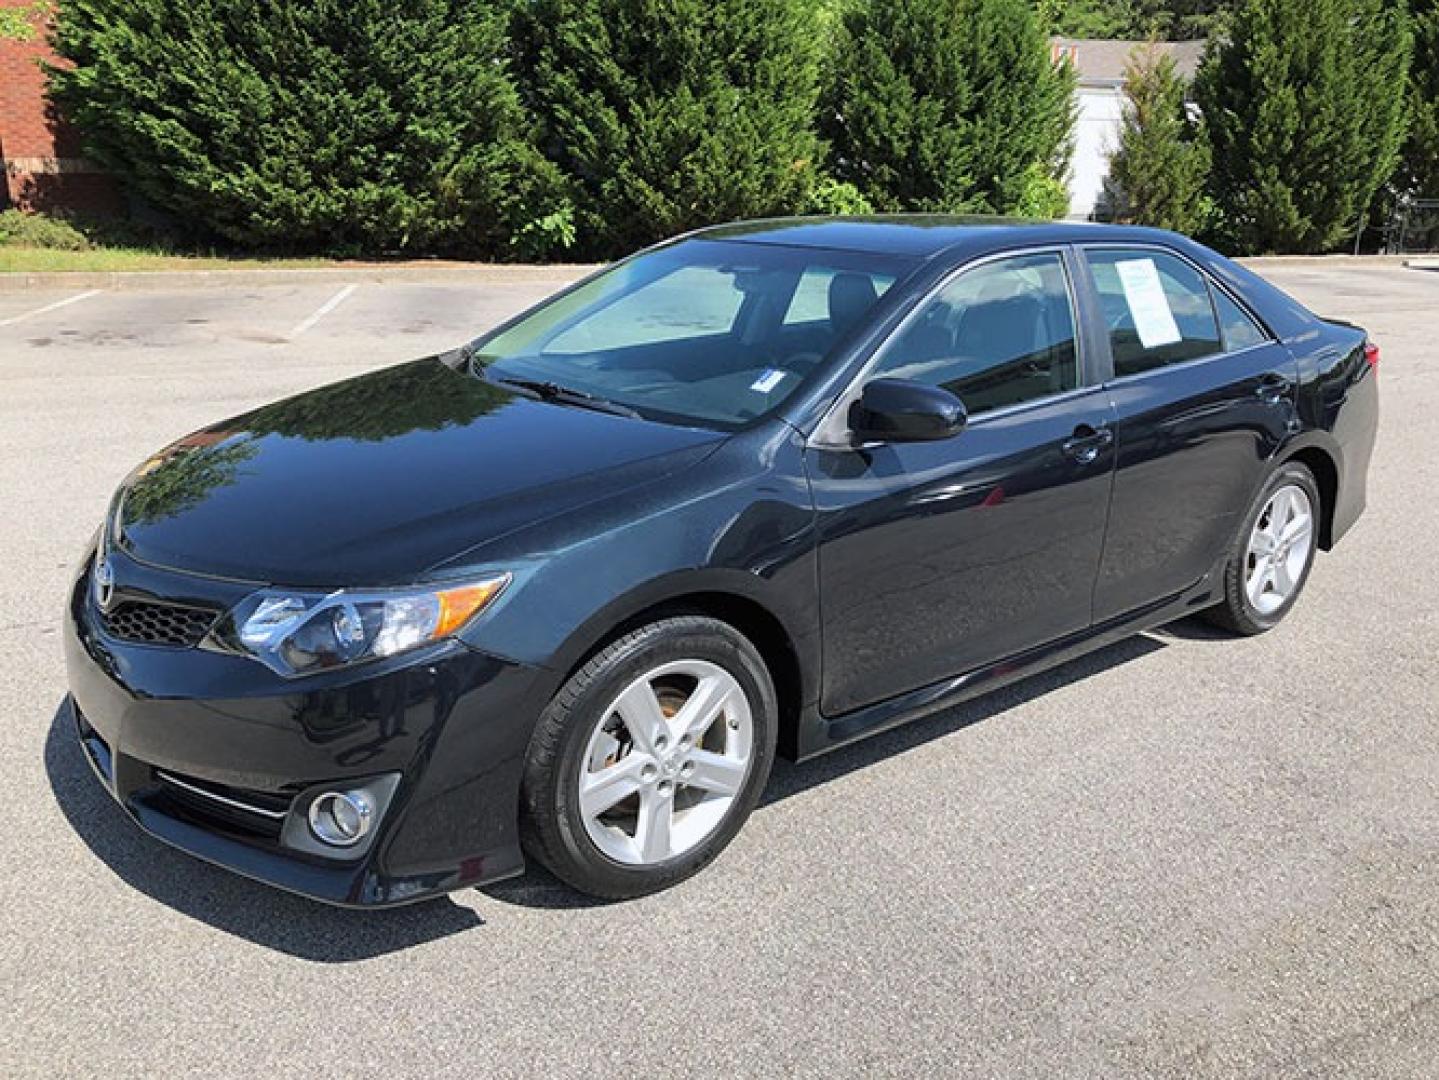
{"x": 1156, "y": 308}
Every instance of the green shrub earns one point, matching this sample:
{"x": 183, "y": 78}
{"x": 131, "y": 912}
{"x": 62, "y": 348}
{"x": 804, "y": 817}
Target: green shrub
{"x": 836, "y": 197}
{"x": 312, "y": 125}
{"x": 1303, "y": 101}
{"x": 945, "y": 105}
{"x": 1041, "y": 195}
{"x": 665, "y": 115}
{"x": 1157, "y": 176}
{"x": 21, "y": 229}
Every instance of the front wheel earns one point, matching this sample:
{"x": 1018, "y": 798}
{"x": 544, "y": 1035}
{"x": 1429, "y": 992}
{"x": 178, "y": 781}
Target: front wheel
{"x": 650, "y": 758}
{"x": 1272, "y": 555}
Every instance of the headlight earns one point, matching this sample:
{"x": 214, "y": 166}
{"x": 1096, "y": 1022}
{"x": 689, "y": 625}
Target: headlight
{"x": 298, "y": 632}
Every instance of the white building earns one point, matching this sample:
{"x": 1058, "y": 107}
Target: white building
{"x": 1100, "y": 107}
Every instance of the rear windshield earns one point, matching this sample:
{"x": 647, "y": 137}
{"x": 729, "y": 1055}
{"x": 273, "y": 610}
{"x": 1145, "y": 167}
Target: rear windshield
{"x": 704, "y": 332}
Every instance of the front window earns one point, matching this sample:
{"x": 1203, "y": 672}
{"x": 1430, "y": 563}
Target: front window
{"x": 706, "y": 332}
{"x": 1000, "y": 334}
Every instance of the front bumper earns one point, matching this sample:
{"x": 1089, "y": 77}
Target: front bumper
{"x": 220, "y": 757}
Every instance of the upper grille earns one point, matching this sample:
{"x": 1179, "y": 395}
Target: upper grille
{"x": 150, "y": 623}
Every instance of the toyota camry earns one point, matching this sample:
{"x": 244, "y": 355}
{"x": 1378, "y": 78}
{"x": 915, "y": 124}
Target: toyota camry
{"x": 565, "y": 592}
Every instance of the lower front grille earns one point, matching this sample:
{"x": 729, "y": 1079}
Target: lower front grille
{"x": 257, "y": 813}
{"x": 147, "y": 622}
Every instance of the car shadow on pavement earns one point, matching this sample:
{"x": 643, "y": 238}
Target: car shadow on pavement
{"x": 790, "y": 779}
{"x": 266, "y": 916}
{"x": 540, "y": 889}
{"x": 314, "y": 931}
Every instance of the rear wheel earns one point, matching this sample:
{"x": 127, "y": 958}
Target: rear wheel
{"x": 650, "y": 758}
{"x": 1272, "y": 555}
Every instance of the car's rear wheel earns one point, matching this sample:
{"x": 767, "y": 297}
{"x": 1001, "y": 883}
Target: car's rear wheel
{"x": 650, "y": 758}
{"x": 1272, "y": 555}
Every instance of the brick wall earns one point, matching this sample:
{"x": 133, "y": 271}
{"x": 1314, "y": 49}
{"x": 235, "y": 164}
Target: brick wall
{"x": 43, "y": 164}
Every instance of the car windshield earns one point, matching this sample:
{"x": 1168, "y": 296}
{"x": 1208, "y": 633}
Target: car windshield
{"x": 708, "y": 333}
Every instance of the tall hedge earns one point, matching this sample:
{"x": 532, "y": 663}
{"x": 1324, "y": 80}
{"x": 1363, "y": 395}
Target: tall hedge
{"x": 1419, "y": 164}
{"x": 1303, "y": 101}
{"x": 665, "y": 115}
{"x": 946, "y": 105}
{"x": 314, "y": 125}
{"x": 1158, "y": 173}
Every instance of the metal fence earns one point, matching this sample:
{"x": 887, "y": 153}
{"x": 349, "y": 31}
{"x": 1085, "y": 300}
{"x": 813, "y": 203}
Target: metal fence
{"x": 1413, "y": 228}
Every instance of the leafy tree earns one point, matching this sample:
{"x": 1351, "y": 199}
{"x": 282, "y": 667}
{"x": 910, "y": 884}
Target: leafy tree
{"x": 1303, "y": 101}
{"x": 1090, "y": 18}
{"x": 1419, "y": 165}
{"x": 946, "y": 105}
{"x": 666, "y": 115}
{"x": 1157, "y": 176}
{"x": 1171, "y": 20}
{"x": 327, "y": 125}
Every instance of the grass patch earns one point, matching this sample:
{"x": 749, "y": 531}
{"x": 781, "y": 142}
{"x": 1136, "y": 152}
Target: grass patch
{"x": 23, "y": 259}
{"x": 42, "y": 243}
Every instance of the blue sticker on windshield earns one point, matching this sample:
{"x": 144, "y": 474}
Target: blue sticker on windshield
{"x": 768, "y": 381}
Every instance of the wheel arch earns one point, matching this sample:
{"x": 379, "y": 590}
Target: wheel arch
{"x": 730, "y": 599}
{"x": 1320, "y": 462}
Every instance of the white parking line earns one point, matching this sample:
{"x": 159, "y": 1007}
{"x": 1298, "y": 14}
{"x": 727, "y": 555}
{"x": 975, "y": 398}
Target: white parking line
{"x": 50, "y": 307}
{"x": 320, "y": 312}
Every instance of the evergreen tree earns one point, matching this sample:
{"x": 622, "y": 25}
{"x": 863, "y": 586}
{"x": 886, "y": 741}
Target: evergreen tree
{"x": 1303, "y": 101}
{"x": 326, "y": 125}
{"x": 1023, "y": 102}
{"x": 946, "y": 105}
{"x": 898, "y": 105}
{"x": 1157, "y": 175}
{"x": 666, "y": 115}
{"x": 1419, "y": 166}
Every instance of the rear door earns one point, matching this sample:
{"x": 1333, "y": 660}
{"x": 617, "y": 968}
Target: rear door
{"x": 1202, "y": 396}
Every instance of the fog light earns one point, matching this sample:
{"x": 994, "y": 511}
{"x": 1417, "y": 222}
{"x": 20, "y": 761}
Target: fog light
{"x": 341, "y": 818}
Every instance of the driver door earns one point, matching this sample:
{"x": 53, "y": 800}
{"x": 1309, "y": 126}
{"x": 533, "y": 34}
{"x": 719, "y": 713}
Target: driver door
{"x": 937, "y": 558}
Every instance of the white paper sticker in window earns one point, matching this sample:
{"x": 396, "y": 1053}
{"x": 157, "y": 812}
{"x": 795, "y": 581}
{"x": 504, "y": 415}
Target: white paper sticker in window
{"x": 1153, "y": 319}
{"x": 767, "y": 381}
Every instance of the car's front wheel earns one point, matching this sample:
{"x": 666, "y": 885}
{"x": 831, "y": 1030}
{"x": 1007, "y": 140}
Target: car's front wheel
{"x": 650, "y": 758}
{"x": 1273, "y": 553}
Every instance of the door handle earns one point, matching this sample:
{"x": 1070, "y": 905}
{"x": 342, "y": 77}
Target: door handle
{"x": 1273, "y": 387}
{"x": 1086, "y": 443}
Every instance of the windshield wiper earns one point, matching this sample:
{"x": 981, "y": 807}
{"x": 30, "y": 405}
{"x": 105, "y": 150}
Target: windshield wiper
{"x": 566, "y": 395}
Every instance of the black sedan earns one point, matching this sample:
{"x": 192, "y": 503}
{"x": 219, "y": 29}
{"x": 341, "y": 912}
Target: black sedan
{"x": 768, "y": 488}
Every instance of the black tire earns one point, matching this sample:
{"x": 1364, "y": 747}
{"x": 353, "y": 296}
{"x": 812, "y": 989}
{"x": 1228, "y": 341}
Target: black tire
{"x": 1235, "y": 613}
{"x": 552, "y": 828}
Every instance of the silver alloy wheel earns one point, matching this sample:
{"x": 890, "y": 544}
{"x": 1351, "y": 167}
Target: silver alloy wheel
{"x": 1279, "y": 549}
{"x": 665, "y": 762}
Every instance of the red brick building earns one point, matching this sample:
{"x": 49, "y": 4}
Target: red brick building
{"x": 44, "y": 168}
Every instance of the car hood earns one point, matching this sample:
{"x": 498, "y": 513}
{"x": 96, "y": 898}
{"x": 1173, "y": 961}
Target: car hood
{"x": 376, "y": 480}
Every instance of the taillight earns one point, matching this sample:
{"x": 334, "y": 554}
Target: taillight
{"x": 1371, "y": 354}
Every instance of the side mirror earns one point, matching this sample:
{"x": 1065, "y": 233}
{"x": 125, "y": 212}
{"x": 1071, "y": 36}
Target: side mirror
{"x": 898, "y": 410}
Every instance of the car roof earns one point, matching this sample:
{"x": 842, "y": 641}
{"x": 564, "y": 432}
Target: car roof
{"x": 925, "y": 235}
{"x": 950, "y": 239}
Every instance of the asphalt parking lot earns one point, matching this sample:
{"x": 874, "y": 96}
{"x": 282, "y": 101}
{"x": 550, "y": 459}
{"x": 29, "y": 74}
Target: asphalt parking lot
{"x": 1185, "y": 855}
